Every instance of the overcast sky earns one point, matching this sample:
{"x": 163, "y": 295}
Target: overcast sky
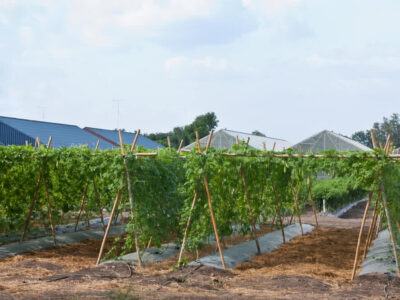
{"x": 288, "y": 68}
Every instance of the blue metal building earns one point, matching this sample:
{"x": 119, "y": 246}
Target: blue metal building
{"x": 15, "y": 131}
{"x": 112, "y": 137}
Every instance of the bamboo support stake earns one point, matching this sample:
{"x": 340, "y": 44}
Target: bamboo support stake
{"x": 31, "y": 207}
{"x": 371, "y": 228}
{"x": 53, "y": 233}
{"x": 198, "y": 141}
{"x": 312, "y": 203}
{"x": 108, "y": 227}
{"x": 373, "y": 138}
{"x": 237, "y": 140}
{"x": 273, "y": 146}
{"x": 386, "y": 208}
{"x": 196, "y": 195}
{"x": 180, "y": 147}
{"x": 35, "y": 195}
{"x": 169, "y": 143}
{"x": 264, "y": 146}
{"x": 387, "y": 144}
{"x": 128, "y": 180}
{"x": 253, "y": 222}
{"x": 360, "y": 235}
{"x": 135, "y": 140}
{"x": 278, "y": 210}
{"x": 81, "y": 207}
{"x": 99, "y": 204}
{"x": 296, "y": 206}
{"x": 221, "y": 254}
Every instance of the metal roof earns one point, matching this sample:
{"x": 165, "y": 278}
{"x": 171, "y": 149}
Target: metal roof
{"x": 224, "y": 139}
{"x": 63, "y": 135}
{"x": 112, "y": 136}
{"x": 326, "y": 140}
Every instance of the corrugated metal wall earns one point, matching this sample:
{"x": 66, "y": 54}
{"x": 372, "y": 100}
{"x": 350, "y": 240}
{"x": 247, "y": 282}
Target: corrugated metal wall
{"x": 11, "y": 136}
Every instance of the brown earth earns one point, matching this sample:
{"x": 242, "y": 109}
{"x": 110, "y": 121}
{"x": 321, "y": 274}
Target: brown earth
{"x": 315, "y": 266}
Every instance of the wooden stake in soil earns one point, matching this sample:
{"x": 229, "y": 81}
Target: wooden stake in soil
{"x": 53, "y": 233}
{"x": 31, "y": 207}
{"x": 221, "y": 254}
{"x": 198, "y": 141}
{"x": 312, "y": 203}
{"x": 371, "y": 227}
{"x": 108, "y": 227}
{"x": 81, "y": 207}
{"x": 278, "y": 210}
{"x": 96, "y": 192}
{"x": 35, "y": 195}
{"x": 360, "y": 235}
{"x": 386, "y": 208}
{"x": 296, "y": 206}
{"x": 128, "y": 181}
{"x": 196, "y": 195}
{"x": 253, "y": 222}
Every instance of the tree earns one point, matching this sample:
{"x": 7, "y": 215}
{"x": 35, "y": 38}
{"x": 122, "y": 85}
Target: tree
{"x": 203, "y": 124}
{"x": 258, "y": 133}
{"x": 381, "y": 131}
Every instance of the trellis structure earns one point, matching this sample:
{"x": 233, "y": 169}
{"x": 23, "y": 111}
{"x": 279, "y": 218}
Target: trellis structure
{"x": 205, "y": 162}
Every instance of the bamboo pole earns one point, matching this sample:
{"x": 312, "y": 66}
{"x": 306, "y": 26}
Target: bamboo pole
{"x": 196, "y": 195}
{"x": 35, "y": 195}
{"x": 387, "y": 144}
{"x": 312, "y": 203}
{"x": 273, "y": 146}
{"x": 31, "y": 207}
{"x": 128, "y": 180}
{"x": 180, "y": 147}
{"x": 198, "y": 141}
{"x": 373, "y": 138}
{"x": 253, "y": 222}
{"x": 360, "y": 235}
{"x": 221, "y": 254}
{"x": 108, "y": 227}
{"x": 135, "y": 140}
{"x": 237, "y": 140}
{"x": 386, "y": 208}
{"x": 99, "y": 204}
{"x": 371, "y": 228}
{"x": 169, "y": 143}
{"x": 278, "y": 210}
{"x": 296, "y": 206}
{"x": 264, "y": 146}
{"x": 81, "y": 207}
{"x": 53, "y": 233}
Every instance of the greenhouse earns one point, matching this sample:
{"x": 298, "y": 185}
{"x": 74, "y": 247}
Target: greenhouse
{"x": 327, "y": 140}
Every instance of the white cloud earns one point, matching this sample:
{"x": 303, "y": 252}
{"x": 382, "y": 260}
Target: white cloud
{"x": 94, "y": 17}
{"x": 206, "y": 62}
{"x": 26, "y": 35}
{"x": 60, "y": 53}
{"x": 270, "y": 7}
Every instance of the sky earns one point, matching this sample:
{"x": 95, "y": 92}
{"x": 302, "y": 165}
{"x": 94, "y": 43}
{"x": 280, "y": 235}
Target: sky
{"x": 288, "y": 68}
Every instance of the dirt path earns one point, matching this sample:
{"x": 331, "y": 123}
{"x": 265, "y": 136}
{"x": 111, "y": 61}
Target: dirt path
{"x": 314, "y": 266}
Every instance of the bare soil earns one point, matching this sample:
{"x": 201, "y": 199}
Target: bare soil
{"x": 315, "y": 266}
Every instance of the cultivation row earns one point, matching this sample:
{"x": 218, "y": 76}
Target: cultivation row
{"x": 245, "y": 186}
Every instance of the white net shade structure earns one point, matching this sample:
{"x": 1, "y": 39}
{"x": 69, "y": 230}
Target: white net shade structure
{"x": 225, "y": 139}
{"x": 396, "y": 151}
{"x": 327, "y": 140}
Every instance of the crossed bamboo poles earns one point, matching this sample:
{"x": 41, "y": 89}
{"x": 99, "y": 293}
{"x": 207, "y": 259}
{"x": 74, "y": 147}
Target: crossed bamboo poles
{"x": 248, "y": 200}
{"x": 374, "y": 227}
{"x": 35, "y": 196}
{"x": 376, "y": 219}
